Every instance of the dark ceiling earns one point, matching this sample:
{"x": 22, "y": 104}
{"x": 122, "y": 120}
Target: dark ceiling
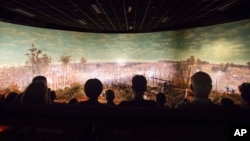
{"x": 119, "y": 16}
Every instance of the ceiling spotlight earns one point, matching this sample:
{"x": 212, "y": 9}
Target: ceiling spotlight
{"x": 226, "y": 6}
{"x": 129, "y": 9}
{"x": 81, "y": 22}
{"x": 24, "y": 12}
{"x": 164, "y": 19}
{"x": 97, "y": 10}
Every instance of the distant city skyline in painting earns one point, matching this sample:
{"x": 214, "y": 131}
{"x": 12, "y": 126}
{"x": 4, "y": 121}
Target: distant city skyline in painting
{"x": 224, "y": 43}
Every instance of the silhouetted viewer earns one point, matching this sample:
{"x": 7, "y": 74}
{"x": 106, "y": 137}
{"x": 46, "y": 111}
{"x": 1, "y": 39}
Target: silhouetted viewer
{"x": 52, "y": 96}
{"x": 227, "y": 103}
{"x": 110, "y": 96}
{"x": 139, "y": 86}
{"x": 161, "y": 99}
{"x": 201, "y": 85}
{"x": 40, "y": 78}
{"x": 73, "y": 101}
{"x": 2, "y": 98}
{"x": 244, "y": 89}
{"x": 93, "y": 89}
{"x": 35, "y": 93}
{"x": 11, "y": 97}
{"x": 43, "y": 79}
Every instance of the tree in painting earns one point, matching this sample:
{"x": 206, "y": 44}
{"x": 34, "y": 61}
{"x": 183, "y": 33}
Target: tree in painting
{"x": 65, "y": 60}
{"x": 82, "y": 62}
{"x": 38, "y": 61}
{"x": 248, "y": 65}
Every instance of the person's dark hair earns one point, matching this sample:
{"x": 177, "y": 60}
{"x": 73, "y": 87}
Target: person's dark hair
{"x": 52, "y": 95}
{"x": 244, "y": 89}
{"x": 227, "y": 102}
{"x": 36, "y": 92}
{"x": 2, "y": 98}
{"x": 201, "y": 84}
{"x": 110, "y": 95}
{"x": 11, "y": 97}
{"x": 73, "y": 101}
{"x": 139, "y": 86}
{"x": 161, "y": 99}
{"x": 139, "y": 83}
{"x": 40, "y": 78}
{"x": 93, "y": 88}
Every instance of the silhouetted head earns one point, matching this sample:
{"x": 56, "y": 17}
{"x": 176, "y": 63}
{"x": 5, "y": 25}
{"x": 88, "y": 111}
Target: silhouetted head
{"x": 1, "y": 98}
{"x": 201, "y": 84}
{"x": 52, "y": 95}
{"x": 139, "y": 84}
{"x": 226, "y": 102}
{"x": 93, "y": 88}
{"x": 11, "y": 97}
{"x": 244, "y": 89}
{"x": 73, "y": 101}
{"x": 36, "y": 92}
{"x": 40, "y": 78}
{"x": 161, "y": 99}
{"x": 110, "y": 95}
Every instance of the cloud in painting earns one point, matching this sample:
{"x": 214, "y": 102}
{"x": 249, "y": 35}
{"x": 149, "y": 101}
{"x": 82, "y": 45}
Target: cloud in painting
{"x": 219, "y": 43}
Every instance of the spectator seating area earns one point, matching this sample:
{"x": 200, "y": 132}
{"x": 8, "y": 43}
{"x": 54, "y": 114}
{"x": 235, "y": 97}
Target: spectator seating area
{"x": 77, "y": 122}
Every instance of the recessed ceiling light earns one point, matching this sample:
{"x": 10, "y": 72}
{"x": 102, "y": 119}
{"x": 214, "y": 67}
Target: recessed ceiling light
{"x": 129, "y": 9}
{"x": 20, "y": 11}
{"x": 164, "y": 19}
{"x": 82, "y": 22}
{"x": 97, "y": 10}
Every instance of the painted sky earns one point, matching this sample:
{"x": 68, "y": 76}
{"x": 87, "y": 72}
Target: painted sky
{"x": 217, "y": 44}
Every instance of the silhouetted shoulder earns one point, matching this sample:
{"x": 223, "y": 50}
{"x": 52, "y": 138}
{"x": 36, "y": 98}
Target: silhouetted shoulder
{"x": 92, "y": 103}
{"x": 244, "y": 89}
{"x": 198, "y": 103}
{"x": 136, "y": 103}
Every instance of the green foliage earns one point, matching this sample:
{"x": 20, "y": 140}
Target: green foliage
{"x": 191, "y": 60}
{"x": 75, "y": 90}
{"x": 65, "y": 59}
{"x": 37, "y": 60}
{"x": 248, "y": 65}
{"x": 83, "y": 60}
{"x": 46, "y": 60}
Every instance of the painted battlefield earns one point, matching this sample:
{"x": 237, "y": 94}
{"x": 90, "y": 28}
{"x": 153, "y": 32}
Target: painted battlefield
{"x": 170, "y": 77}
{"x": 167, "y": 59}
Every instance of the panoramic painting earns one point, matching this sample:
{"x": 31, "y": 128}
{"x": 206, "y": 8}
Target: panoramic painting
{"x": 167, "y": 59}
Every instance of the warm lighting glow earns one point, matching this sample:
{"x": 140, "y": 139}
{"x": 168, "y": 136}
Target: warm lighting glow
{"x": 3, "y": 128}
{"x": 129, "y": 9}
{"x": 140, "y": 73}
{"x": 97, "y": 10}
{"x": 121, "y": 62}
{"x": 150, "y": 73}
